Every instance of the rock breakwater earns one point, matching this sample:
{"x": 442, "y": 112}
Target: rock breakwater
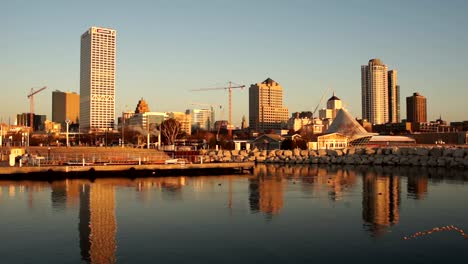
{"x": 389, "y": 156}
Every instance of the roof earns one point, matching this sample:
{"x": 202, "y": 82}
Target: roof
{"x": 334, "y": 98}
{"x": 271, "y": 136}
{"x": 391, "y": 139}
{"x": 345, "y": 124}
{"x": 376, "y": 62}
{"x": 269, "y": 81}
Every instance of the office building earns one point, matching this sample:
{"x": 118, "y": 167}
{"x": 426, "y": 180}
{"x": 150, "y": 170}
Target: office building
{"x": 416, "y": 110}
{"x": 266, "y": 110}
{"x": 202, "y": 118}
{"x": 65, "y": 105}
{"x": 97, "y": 79}
{"x": 24, "y": 119}
{"x": 184, "y": 119}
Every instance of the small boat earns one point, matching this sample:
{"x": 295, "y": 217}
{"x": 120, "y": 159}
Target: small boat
{"x": 171, "y": 161}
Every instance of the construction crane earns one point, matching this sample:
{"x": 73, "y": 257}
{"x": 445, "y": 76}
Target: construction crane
{"x": 31, "y": 105}
{"x": 320, "y": 102}
{"x": 229, "y": 88}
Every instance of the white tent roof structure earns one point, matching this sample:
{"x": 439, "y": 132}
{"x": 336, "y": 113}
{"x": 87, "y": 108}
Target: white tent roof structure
{"x": 346, "y": 125}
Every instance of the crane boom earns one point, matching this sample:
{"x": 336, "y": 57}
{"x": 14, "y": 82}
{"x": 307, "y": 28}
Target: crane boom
{"x": 229, "y": 88}
{"x": 31, "y": 105}
{"x": 321, "y": 99}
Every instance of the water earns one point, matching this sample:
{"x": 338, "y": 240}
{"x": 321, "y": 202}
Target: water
{"x": 279, "y": 214}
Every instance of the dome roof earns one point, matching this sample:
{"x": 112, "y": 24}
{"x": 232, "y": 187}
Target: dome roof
{"x": 375, "y": 62}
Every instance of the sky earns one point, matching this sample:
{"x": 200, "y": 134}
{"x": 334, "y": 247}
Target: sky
{"x": 165, "y": 48}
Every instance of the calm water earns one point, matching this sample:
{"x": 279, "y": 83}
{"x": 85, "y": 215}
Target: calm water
{"x": 279, "y": 214}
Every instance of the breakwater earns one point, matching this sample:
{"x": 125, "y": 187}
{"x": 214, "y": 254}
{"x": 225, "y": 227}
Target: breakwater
{"x": 432, "y": 156}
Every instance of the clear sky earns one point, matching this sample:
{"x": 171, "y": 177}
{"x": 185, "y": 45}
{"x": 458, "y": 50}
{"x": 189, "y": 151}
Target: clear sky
{"x": 166, "y": 48}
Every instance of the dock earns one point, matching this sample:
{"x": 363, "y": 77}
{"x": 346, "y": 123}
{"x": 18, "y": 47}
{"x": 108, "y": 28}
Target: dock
{"x": 129, "y": 171}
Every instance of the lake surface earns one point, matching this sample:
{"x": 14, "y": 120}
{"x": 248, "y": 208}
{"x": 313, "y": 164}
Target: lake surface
{"x": 278, "y": 214}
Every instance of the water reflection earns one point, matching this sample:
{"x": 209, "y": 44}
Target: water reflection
{"x": 97, "y": 223}
{"x": 270, "y": 191}
{"x": 417, "y": 186}
{"x": 380, "y": 201}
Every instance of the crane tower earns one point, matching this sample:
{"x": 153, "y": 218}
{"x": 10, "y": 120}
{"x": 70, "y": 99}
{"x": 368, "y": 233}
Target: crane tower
{"x": 31, "y": 105}
{"x": 229, "y": 88}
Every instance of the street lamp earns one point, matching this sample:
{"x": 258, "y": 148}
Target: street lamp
{"x": 67, "y": 122}
{"x": 122, "y": 123}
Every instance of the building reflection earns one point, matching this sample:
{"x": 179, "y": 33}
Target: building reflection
{"x": 417, "y": 186}
{"x": 97, "y": 223}
{"x": 266, "y": 192}
{"x": 380, "y": 201}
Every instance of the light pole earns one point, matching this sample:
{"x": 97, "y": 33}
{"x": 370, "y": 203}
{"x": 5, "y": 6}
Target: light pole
{"x": 67, "y": 122}
{"x": 123, "y": 126}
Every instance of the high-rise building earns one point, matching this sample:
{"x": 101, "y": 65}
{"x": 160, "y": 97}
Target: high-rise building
{"x": 65, "y": 105}
{"x": 266, "y": 110}
{"x": 393, "y": 97}
{"x": 375, "y": 92}
{"x": 416, "y": 109}
{"x": 202, "y": 118}
{"x": 97, "y": 79}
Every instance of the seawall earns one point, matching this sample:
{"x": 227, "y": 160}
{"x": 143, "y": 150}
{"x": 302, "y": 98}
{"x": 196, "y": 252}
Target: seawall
{"x": 432, "y": 156}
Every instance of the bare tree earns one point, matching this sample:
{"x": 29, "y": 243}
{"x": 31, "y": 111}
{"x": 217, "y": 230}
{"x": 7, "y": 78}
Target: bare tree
{"x": 170, "y": 129}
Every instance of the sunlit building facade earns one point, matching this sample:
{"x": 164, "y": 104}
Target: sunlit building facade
{"x": 266, "y": 110}
{"x": 393, "y": 97}
{"x": 374, "y": 92}
{"x": 65, "y": 106}
{"x": 416, "y": 108}
{"x": 97, "y": 79}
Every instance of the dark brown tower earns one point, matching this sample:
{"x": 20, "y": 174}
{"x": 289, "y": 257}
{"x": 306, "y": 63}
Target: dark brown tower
{"x": 416, "y": 110}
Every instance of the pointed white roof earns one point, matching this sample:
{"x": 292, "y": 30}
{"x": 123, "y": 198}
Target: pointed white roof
{"x": 346, "y": 125}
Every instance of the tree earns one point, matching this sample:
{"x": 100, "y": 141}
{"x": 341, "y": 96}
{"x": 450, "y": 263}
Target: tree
{"x": 169, "y": 130}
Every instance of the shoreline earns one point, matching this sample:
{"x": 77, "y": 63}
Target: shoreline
{"x": 430, "y": 156}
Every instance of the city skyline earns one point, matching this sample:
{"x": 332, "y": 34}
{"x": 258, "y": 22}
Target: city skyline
{"x": 164, "y": 50}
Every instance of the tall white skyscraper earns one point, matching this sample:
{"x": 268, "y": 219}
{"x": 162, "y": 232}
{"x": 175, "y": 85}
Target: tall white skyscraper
{"x": 97, "y": 79}
{"x": 374, "y": 84}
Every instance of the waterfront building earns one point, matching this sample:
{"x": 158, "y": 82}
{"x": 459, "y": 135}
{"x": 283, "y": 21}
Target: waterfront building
{"x": 393, "y": 97}
{"x": 375, "y": 92}
{"x": 184, "y": 119}
{"x": 145, "y": 121}
{"x": 325, "y": 113}
{"x": 38, "y": 121}
{"x": 334, "y": 104}
{"x": 266, "y": 110}
{"x": 97, "y": 79}
{"x": 65, "y": 106}
{"x": 201, "y": 118}
{"x": 416, "y": 109}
